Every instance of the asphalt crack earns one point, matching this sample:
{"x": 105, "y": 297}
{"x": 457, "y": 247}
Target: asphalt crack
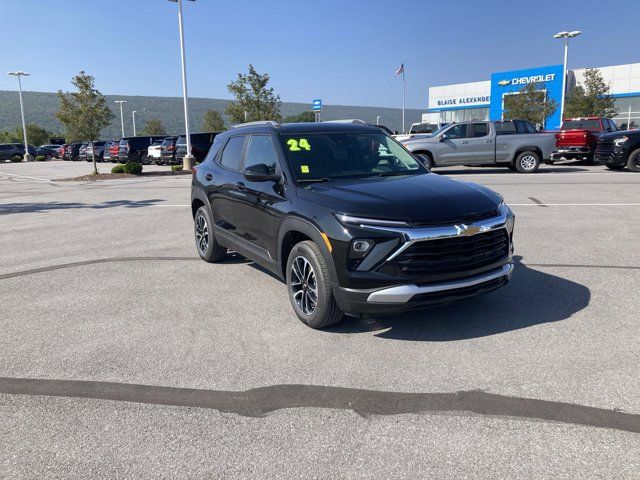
{"x": 258, "y": 402}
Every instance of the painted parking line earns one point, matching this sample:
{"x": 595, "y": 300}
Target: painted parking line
{"x": 574, "y": 204}
{"x": 25, "y": 176}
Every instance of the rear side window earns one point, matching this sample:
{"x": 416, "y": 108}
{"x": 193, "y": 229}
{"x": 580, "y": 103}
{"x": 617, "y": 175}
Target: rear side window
{"x": 480, "y": 130}
{"x": 505, "y": 128}
{"x": 232, "y": 153}
{"x": 260, "y": 149}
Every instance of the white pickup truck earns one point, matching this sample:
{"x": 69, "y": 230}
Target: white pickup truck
{"x": 515, "y": 144}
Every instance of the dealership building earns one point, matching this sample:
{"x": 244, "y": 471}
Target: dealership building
{"x": 485, "y": 100}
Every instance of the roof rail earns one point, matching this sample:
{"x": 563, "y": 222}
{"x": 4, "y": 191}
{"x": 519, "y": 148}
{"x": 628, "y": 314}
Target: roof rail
{"x": 269, "y": 123}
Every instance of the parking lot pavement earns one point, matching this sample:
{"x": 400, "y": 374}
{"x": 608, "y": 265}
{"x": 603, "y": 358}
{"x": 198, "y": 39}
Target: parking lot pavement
{"x": 101, "y": 285}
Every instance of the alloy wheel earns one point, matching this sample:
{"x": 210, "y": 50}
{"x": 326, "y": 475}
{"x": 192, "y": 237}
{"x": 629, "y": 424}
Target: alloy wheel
{"x": 202, "y": 234}
{"x": 528, "y": 162}
{"x": 304, "y": 285}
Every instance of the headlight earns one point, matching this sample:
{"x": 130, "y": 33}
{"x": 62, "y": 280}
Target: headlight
{"x": 363, "y": 222}
{"x": 619, "y": 141}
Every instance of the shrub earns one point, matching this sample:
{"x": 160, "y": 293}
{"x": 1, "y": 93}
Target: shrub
{"x": 118, "y": 169}
{"x": 134, "y": 168}
{"x": 16, "y": 158}
{"x": 176, "y": 168}
{"x": 40, "y": 158}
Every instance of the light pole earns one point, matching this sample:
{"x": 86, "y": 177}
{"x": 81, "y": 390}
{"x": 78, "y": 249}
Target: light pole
{"x": 566, "y": 36}
{"x": 19, "y": 74}
{"x": 187, "y": 161}
{"x": 378, "y": 120}
{"x": 133, "y": 114}
{"x": 121, "y": 115}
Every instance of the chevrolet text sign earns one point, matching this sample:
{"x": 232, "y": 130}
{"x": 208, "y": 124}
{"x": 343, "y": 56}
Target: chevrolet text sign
{"x": 549, "y": 77}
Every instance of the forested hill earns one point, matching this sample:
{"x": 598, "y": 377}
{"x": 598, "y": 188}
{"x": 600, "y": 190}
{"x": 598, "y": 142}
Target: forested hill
{"x": 40, "y": 109}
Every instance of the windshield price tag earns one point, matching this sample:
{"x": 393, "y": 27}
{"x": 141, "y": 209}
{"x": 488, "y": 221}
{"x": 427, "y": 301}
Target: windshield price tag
{"x": 304, "y": 168}
{"x": 297, "y": 145}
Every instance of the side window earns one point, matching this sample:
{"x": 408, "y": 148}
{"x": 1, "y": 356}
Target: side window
{"x": 480, "y": 130}
{"x": 520, "y": 127}
{"x": 260, "y": 149}
{"x": 530, "y": 128}
{"x": 457, "y": 131}
{"x": 232, "y": 153}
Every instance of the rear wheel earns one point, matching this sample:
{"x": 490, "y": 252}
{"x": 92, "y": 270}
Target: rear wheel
{"x": 527, "y": 162}
{"x": 309, "y": 287}
{"x": 208, "y": 248}
{"x": 633, "y": 163}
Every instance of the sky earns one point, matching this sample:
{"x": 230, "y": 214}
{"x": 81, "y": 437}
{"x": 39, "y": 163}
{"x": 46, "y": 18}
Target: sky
{"x": 345, "y": 52}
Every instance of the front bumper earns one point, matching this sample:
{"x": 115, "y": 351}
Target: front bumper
{"x": 412, "y": 296}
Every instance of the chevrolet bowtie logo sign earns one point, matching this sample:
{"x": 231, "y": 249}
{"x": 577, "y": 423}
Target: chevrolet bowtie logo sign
{"x": 504, "y": 83}
{"x": 469, "y": 230}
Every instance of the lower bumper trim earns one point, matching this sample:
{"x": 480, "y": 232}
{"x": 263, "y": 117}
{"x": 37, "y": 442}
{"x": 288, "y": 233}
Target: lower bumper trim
{"x": 403, "y": 293}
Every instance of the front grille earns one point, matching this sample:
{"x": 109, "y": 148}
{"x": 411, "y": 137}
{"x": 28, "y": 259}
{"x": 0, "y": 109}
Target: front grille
{"x": 455, "y": 254}
{"x": 605, "y": 150}
{"x": 474, "y": 217}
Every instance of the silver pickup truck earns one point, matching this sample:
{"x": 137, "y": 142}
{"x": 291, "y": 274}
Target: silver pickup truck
{"x": 514, "y": 144}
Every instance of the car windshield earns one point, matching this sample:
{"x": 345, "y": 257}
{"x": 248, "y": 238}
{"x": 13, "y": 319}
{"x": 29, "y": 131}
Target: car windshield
{"x": 346, "y": 155}
{"x": 424, "y": 128}
{"x": 591, "y": 125}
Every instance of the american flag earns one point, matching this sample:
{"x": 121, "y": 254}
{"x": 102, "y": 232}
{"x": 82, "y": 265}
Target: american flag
{"x": 401, "y": 69}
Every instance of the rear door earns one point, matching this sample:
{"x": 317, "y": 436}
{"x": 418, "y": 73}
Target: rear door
{"x": 453, "y": 147}
{"x": 481, "y": 146}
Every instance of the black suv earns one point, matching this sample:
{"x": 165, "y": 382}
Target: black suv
{"x": 72, "y": 152}
{"x": 10, "y": 150}
{"x": 134, "y": 149}
{"x": 617, "y": 150}
{"x": 168, "y": 151}
{"x": 349, "y": 219}
{"x": 200, "y": 145}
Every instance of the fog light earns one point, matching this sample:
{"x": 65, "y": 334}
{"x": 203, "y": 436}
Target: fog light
{"x": 360, "y": 248}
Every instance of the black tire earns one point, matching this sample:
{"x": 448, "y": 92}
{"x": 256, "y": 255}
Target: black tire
{"x": 325, "y": 312}
{"x": 633, "y": 163}
{"x": 427, "y": 161}
{"x": 206, "y": 245}
{"x": 527, "y": 162}
{"x": 616, "y": 168}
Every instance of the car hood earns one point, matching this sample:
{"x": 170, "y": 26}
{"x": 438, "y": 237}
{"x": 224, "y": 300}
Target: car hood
{"x": 427, "y": 197}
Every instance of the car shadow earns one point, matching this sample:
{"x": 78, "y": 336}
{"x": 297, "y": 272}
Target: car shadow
{"x": 13, "y": 208}
{"x": 531, "y": 298}
{"x": 560, "y": 168}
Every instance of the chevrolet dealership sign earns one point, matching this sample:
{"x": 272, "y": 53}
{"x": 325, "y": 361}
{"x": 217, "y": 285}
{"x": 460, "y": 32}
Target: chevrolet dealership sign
{"x": 549, "y": 77}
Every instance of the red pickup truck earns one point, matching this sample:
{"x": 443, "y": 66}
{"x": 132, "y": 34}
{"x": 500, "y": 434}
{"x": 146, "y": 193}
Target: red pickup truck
{"x": 578, "y": 136}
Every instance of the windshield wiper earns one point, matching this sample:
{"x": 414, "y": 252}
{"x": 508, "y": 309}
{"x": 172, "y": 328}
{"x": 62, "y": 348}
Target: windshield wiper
{"x": 313, "y": 180}
{"x": 393, "y": 174}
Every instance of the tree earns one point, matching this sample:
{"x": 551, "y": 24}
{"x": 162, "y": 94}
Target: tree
{"x": 306, "y": 116}
{"x": 213, "y": 121}
{"x": 85, "y": 112}
{"x": 154, "y": 126}
{"x": 530, "y": 103}
{"x": 35, "y": 135}
{"x": 254, "y": 101}
{"x": 591, "y": 99}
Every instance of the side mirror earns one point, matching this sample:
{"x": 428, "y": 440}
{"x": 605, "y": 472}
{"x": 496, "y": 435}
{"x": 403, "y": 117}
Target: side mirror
{"x": 260, "y": 173}
{"x": 443, "y": 137}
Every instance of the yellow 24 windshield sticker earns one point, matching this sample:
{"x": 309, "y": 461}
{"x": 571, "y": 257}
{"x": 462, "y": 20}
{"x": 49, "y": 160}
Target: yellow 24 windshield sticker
{"x": 298, "y": 145}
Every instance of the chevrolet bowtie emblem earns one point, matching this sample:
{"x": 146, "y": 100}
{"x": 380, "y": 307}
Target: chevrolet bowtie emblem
{"x": 503, "y": 83}
{"x": 468, "y": 230}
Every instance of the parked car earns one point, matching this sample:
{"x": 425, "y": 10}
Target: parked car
{"x": 62, "y": 151}
{"x": 578, "y": 136}
{"x": 47, "y": 151}
{"x": 10, "y": 150}
{"x": 82, "y": 153}
{"x": 154, "y": 152}
{"x": 168, "y": 151}
{"x": 348, "y": 219}
{"x": 420, "y": 129}
{"x": 135, "y": 149}
{"x": 514, "y": 144}
{"x": 95, "y": 149}
{"x": 113, "y": 150}
{"x": 200, "y": 145}
{"x": 617, "y": 150}
{"x": 72, "y": 152}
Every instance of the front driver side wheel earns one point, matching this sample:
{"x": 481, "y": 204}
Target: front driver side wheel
{"x": 208, "y": 248}
{"x": 309, "y": 287}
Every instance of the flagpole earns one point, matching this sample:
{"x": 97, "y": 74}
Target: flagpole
{"x": 404, "y": 89}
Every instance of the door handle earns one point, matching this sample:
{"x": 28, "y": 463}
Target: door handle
{"x": 208, "y": 177}
{"x": 464, "y": 142}
{"x": 488, "y": 141}
{"x": 239, "y": 185}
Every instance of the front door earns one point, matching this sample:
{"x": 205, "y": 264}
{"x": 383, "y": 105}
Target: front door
{"x": 257, "y": 212}
{"x": 452, "y": 149}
